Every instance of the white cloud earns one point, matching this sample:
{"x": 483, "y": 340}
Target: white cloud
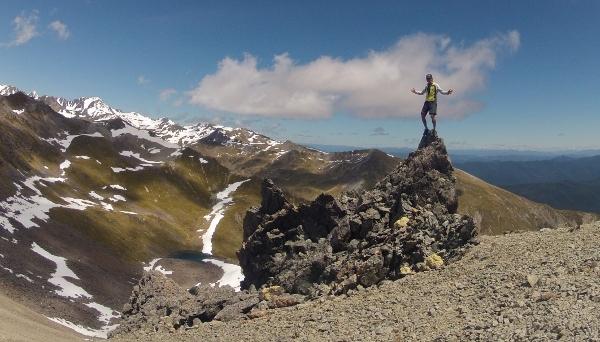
{"x": 141, "y": 80}
{"x": 376, "y": 85}
{"x": 165, "y": 94}
{"x": 61, "y": 29}
{"x": 25, "y": 28}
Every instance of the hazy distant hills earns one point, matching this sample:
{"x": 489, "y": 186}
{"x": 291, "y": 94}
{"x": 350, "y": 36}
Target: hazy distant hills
{"x": 562, "y": 182}
{"x": 565, "y": 195}
{"x": 540, "y": 171}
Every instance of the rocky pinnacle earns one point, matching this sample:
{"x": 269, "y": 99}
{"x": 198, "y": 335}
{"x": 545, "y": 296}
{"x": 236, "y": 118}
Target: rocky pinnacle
{"x": 406, "y": 223}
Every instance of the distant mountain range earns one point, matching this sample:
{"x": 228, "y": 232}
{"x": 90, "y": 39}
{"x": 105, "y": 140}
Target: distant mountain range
{"x": 562, "y": 179}
{"x": 91, "y": 196}
{"x": 563, "y": 182}
{"x": 476, "y": 155}
{"x": 539, "y": 171}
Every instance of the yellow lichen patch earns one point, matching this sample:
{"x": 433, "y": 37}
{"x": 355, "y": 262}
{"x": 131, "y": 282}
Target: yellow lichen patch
{"x": 406, "y": 269}
{"x": 434, "y": 261}
{"x": 401, "y": 222}
{"x": 269, "y": 292}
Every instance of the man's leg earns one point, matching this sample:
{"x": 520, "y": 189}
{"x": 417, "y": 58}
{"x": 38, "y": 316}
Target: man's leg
{"x": 424, "y": 119}
{"x": 433, "y": 119}
{"x": 424, "y": 111}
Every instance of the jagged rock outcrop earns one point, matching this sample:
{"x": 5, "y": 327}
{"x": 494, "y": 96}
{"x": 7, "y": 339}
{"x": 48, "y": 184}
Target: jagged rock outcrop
{"x": 157, "y": 303}
{"x": 333, "y": 245}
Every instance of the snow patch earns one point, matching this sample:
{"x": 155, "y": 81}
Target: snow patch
{"x": 232, "y": 274}
{"x": 106, "y": 314}
{"x": 217, "y": 213}
{"x": 117, "y": 186}
{"x": 27, "y": 208}
{"x": 153, "y": 267}
{"x": 93, "y": 194}
{"x": 101, "y": 333}
{"x": 65, "y": 142}
{"x": 24, "y": 277}
{"x": 162, "y": 270}
{"x": 176, "y": 153}
{"x": 117, "y": 198}
{"x": 58, "y": 278}
{"x": 120, "y": 169}
{"x": 24, "y": 209}
{"x": 64, "y": 166}
{"x": 138, "y": 157}
{"x": 151, "y": 264}
{"x": 142, "y": 134}
{"x": 106, "y": 206}
{"x": 77, "y": 203}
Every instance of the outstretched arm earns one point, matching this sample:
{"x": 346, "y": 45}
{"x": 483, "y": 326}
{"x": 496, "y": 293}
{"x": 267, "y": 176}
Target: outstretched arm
{"x": 418, "y": 92}
{"x": 444, "y": 92}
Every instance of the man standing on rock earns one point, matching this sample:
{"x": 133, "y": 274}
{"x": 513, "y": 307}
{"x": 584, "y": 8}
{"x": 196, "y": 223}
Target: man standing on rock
{"x": 431, "y": 90}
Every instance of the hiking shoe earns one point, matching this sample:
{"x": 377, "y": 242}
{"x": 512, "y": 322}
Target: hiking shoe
{"x": 426, "y": 131}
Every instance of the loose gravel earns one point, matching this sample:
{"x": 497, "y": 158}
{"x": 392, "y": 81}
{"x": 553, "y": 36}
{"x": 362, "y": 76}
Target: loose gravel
{"x": 533, "y": 286}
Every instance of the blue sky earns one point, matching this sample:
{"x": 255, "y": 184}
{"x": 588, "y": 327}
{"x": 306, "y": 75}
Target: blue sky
{"x": 214, "y": 60}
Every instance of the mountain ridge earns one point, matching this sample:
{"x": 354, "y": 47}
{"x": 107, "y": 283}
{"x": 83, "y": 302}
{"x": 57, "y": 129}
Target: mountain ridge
{"x": 95, "y": 109}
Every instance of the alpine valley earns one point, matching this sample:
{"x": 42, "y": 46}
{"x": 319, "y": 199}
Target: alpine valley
{"x": 92, "y": 196}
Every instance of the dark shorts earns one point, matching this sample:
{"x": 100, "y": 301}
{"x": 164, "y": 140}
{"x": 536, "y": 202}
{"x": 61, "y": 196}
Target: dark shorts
{"x": 430, "y": 107}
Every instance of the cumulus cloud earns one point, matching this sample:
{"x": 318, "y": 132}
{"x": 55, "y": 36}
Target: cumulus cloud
{"x": 25, "y": 28}
{"x": 375, "y": 85}
{"x": 165, "y": 94}
{"x": 61, "y": 29}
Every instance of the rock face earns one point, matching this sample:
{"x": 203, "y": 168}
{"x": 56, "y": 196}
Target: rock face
{"x": 334, "y": 245}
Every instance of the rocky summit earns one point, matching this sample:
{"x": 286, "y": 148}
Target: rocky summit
{"x": 406, "y": 223}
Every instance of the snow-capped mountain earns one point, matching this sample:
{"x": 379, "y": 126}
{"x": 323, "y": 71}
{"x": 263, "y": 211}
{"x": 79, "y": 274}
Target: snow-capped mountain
{"x": 95, "y": 109}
